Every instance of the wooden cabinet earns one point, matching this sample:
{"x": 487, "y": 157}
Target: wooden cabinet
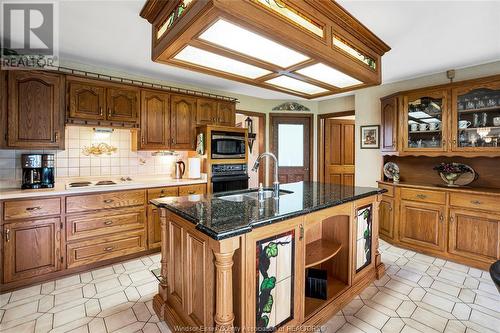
{"x": 154, "y": 223}
{"x": 386, "y": 217}
{"x": 422, "y": 225}
{"x": 31, "y": 248}
{"x": 476, "y": 106}
{"x": 389, "y": 118}
{"x": 474, "y": 235}
{"x": 183, "y": 129}
{"x": 206, "y": 111}
{"x": 155, "y": 120}
{"x": 123, "y": 104}
{"x": 420, "y": 110}
{"x": 86, "y": 100}
{"x": 94, "y": 100}
{"x": 35, "y": 110}
{"x": 192, "y": 189}
{"x": 226, "y": 113}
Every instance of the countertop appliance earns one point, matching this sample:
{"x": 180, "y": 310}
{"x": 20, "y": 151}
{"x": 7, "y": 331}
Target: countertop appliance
{"x": 229, "y": 177}
{"x": 38, "y": 171}
{"x": 227, "y": 145}
{"x": 180, "y": 168}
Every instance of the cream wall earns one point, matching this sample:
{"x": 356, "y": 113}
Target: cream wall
{"x": 367, "y": 106}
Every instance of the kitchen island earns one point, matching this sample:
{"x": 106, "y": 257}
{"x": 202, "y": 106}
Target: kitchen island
{"x": 230, "y": 261}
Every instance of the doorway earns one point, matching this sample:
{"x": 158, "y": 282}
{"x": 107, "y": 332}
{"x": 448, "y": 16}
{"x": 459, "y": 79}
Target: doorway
{"x": 336, "y": 148}
{"x": 258, "y": 122}
{"x": 291, "y": 142}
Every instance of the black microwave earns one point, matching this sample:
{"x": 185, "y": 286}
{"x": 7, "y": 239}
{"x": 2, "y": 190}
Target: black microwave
{"x": 228, "y": 145}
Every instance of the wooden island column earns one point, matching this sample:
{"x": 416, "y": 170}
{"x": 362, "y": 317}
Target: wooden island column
{"x": 224, "y": 308}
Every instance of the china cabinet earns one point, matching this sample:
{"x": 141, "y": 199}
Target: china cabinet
{"x": 476, "y": 117}
{"x": 425, "y": 115}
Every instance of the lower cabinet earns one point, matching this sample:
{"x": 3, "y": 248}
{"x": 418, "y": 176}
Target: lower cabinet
{"x": 422, "y": 224}
{"x": 475, "y": 235}
{"x": 31, "y": 248}
{"x": 386, "y": 217}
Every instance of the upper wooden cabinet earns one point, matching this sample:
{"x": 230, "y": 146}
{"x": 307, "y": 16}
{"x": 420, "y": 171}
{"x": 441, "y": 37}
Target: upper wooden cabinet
{"x": 475, "y": 113}
{"x": 425, "y": 121}
{"x": 35, "y": 110}
{"x": 206, "y": 111}
{"x": 155, "y": 120}
{"x": 183, "y": 123}
{"x": 461, "y": 117}
{"x": 93, "y": 100}
{"x": 226, "y": 113}
{"x": 389, "y": 117}
{"x": 86, "y": 100}
{"x": 123, "y": 104}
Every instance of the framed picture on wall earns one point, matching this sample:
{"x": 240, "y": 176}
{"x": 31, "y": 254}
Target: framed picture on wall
{"x": 370, "y": 137}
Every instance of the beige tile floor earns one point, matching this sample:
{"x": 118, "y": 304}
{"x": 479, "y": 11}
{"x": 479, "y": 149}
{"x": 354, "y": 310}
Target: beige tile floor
{"x": 418, "y": 294}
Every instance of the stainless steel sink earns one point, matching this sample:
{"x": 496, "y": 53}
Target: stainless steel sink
{"x": 251, "y": 195}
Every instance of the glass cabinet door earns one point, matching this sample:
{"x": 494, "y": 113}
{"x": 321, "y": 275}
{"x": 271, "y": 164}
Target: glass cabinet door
{"x": 476, "y": 117}
{"x": 425, "y": 121}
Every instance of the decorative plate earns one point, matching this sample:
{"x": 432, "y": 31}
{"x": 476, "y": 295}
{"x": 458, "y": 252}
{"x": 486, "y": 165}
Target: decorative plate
{"x": 390, "y": 169}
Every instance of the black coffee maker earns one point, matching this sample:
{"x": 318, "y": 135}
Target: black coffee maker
{"x": 38, "y": 171}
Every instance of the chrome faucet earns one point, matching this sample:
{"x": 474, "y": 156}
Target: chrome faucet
{"x": 276, "y": 183}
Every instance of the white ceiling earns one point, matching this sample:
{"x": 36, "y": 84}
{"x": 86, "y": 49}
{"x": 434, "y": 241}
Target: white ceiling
{"x": 425, "y": 36}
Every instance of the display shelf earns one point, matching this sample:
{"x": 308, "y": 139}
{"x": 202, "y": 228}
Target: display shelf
{"x": 493, "y": 108}
{"x": 320, "y": 251}
{"x": 424, "y": 132}
{"x": 478, "y": 128}
{"x": 334, "y": 288}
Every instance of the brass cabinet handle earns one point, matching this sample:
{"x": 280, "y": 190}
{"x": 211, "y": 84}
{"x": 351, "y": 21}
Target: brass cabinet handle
{"x": 100, "y": 111}
{"x": 109, "y": 248}
{"x": 441, "y": 218}
{"x": 476, "y": 202}
{"x": 108, "y": 223}
{"x": 451, "y": 219}
{"x": 161, "y": 196}
{"x": 191, "y": 192}
{"x": 301, "y": 228}
{"x": 390, "y": 207}
{"x": 142, "y": 139}
{"x": 108, "y": 200}
{"x": 31, "y": 209}
{"x": 7, "y": 234}
{"x": 109, "y": 112}
{"x": 421, "y": 196}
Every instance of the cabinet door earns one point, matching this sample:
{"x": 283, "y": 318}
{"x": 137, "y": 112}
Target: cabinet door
{"x": 474, "y": 235}
{"x": 226, "y": 114}
{"x": 206, "y": 111}
{"x": 386, "y": 217}
{"x": 425, "y": 121}
{"x": 123, "y": 104}
{"x": 154, "y": 227}
{"x": 421, "y": 224}
{"x": 31, "y": 248}
{"x": 276, "y": 262}
{"x": 183, "y": 128}
{"x": 389, "y": 115}
{"x": 86, "y": 100}
{"x": 155, "y": 120}
{"x": 476, "y": 117}
{"x": 36, "y": 110}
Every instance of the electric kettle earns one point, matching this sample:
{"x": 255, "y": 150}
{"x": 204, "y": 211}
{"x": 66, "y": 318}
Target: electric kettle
{"x": 180, "y": 167}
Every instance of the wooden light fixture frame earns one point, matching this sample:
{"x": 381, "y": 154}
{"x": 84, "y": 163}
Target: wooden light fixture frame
{"x": 251, "y": 15}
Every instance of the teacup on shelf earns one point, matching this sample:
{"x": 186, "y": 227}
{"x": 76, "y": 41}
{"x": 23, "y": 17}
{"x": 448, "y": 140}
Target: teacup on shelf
{"x": 433, "y": 126}
{"x": 423, "y": 127}
{"x": 463, "y": 124}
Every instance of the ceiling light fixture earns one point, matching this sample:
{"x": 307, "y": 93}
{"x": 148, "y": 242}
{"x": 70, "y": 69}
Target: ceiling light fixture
{"x": 309, "y": 49}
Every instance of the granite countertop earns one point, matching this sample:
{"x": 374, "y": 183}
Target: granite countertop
{"x": 139, "y": 182}
{"x": 221, "y": 219}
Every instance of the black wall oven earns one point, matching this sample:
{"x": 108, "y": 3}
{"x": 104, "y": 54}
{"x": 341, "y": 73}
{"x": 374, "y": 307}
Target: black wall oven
{"x": 228, "y": 145}
{"x": 229, "y": 177}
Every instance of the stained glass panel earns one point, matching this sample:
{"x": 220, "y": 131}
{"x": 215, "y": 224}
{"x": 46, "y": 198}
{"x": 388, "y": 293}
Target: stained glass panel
{"x": 338, "y": 42}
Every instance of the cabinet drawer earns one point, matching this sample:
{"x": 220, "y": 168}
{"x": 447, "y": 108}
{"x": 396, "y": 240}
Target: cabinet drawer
{"x": 389, "y": 188}
{"x": 103, "y": 223}
{"x": 192, "y": 189}
{"x": 23, "y": 209}
{"x": 84, "y": 203}
{"x": 423, "y": 195}
{"x": 92, "y": 251}
{"x": 161, "y": 192}
{"x": 484, "y": 202}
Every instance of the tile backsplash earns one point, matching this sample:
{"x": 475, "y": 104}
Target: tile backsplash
{"x": 72, "y": 162}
